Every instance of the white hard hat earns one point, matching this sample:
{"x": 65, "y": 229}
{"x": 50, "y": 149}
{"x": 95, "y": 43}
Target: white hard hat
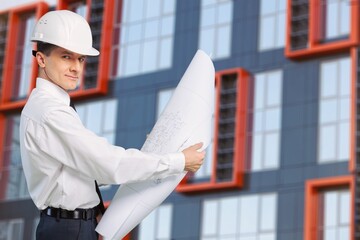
{"x": 65, "y": 29}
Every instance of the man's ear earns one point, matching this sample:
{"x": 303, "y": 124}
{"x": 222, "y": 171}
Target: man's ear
{"x": 40, "y": 58}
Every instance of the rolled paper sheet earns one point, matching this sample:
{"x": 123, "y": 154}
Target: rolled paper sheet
{"x": 186, "y": 120}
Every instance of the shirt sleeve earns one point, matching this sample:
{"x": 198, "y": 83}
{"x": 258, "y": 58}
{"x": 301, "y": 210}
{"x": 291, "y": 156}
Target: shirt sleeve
{"x": 66, "y": 140}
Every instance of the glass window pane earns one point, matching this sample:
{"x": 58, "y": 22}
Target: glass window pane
{"x": 282, "y": 5}
{"x": 133, "y": 59}
{"x": 344, "y": 233}
{"x": 281, "y": 26}
{"x": 208, "y": 16}
{"x": 345, "y": 14}
{"x": 153, "y": 8}
{"x": 330, "y": 209}
{"x": 228, "y": 216}
{"x": 225, "y": 13}
{"x": 327, "y": 143}
{"x": 249, "y": 208}
{"x": 207, "y": 37}
{"x": 345, "y": 78}
{"x": 169, "y": 6}
{"x": 167, "y": 26}
{"x": 345, "y": 109}
{"x": 267, "y": 236}
{"x": 267, "y": 33}
{"x": 135, "y": 32}
{"x": 344, "y": 208}
{"x": 152, "y": 29}
{"x": 166, "y": 50}
{"x": 272, "y": 118}
{"x": 223, "y": 42}
{"x": 163, "y": 99}
{"x": 332, "y": 20}
{"x": 329, "y": 76}
{"x": 328, "y": 111}
{"x": 267, "y": 7}
{"x": 164, "y": 222}
{"x": 94, "y": 114}
{"x": 256, "y": 161}
{"x": 330, "y": 234}
{"x": 110, "y": 115}
{"x": 268, "y": 212}
{"x": 274, "y": 88}
{"x": 344, "y": 141}
{"x": 271, "y": 150}
{"x": 136, "y": 10}
{"x": 149, "y": 53}
{"x": 258, "y": 121}
{"x": 259, "y": 91}
{"x": 209, "y": 217}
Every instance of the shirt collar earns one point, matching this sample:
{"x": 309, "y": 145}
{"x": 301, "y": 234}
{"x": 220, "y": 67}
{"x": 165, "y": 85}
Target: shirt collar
{"x": 53, "y": 89}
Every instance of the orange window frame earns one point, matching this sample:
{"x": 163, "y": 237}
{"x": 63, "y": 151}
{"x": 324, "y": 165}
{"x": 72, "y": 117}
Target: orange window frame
{"x": 240, "y": 130}
{"x": 315, "y": 46}
{"x": 312, "y": 202}
{"x": 105, "y": 50}
{"x": 2, "y": 142}
{"x": 9, "y": 60}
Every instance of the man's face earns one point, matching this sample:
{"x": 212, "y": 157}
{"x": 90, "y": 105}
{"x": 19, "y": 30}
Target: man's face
{"x": 64, "y": 68}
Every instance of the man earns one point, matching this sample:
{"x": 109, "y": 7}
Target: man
{"x": 61, "y": 158}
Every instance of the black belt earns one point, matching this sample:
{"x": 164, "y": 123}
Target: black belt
{"x": 84, "y": 214}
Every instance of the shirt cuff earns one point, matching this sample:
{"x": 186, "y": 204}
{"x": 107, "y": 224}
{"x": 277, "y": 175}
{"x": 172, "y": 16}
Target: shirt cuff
{"x": 177, "y": 163}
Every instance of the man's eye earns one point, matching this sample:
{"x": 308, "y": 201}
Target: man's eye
{"x": 66, "y": 57}
{"x": 82, "y": 59}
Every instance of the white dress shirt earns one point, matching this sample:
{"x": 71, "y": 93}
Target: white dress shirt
{"x": 61, "y": 158}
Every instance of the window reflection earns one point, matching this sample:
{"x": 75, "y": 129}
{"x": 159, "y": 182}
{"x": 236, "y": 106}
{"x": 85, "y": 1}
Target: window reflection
{"x": 12, "y": 175}
{"x": 143, "y": 38}
{"x": 272, "y": 24}
{"x": 335, "y": 215}
{"x": 242, "y": 217}
{"x": 157, "y": 225}
{"x": 100, "y": 117}
{"x": 337, "y": 20}
{"x": 215, "y": 28}
{"x": 334, "y": 110}
{"x": 266, "y": 116}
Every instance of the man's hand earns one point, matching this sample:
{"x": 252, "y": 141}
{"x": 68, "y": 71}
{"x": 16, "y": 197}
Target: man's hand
{"x": 193, "y": 158}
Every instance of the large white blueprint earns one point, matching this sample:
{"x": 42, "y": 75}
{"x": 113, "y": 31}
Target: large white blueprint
{"x": 186, "y": 120}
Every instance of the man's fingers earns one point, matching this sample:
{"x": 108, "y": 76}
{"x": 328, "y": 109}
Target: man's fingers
{"x": 197, "y": 146}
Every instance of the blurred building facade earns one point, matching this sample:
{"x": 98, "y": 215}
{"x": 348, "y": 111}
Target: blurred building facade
{"x": 282, "y": 163}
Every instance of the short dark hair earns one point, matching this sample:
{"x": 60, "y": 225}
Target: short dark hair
{"x": 44, "y": 47}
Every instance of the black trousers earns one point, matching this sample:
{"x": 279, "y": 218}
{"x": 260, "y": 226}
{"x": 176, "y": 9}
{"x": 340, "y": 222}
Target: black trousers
{"x": 52, "y": 228}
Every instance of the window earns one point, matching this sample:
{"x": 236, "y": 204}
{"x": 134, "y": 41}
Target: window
{"x": 216, "y": 27}
{"x": 266, "y": 115}
{"x": 336, "y": 18}
{"x": 23, "y": 62}
{"x": 321, "y": 27}
{"x": 205, "y": 170}
{"x": 334, "y": 110}
{"x": 12, "y": 176}
{"x": 229, "y": 134}
{"x": 272, "y": 24}
{"x": 240, "y": 217}
{"x": 100, "y": 117}
{"x": 12, "y": 229}
{"x": 334, "y": 214}
{"x": 3, "y": 34}
{"x": 19, "y": 68}
{"x": 157, "y": 225}
{"x": 143, "y": 36}
{"x": 329, "y": 208}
